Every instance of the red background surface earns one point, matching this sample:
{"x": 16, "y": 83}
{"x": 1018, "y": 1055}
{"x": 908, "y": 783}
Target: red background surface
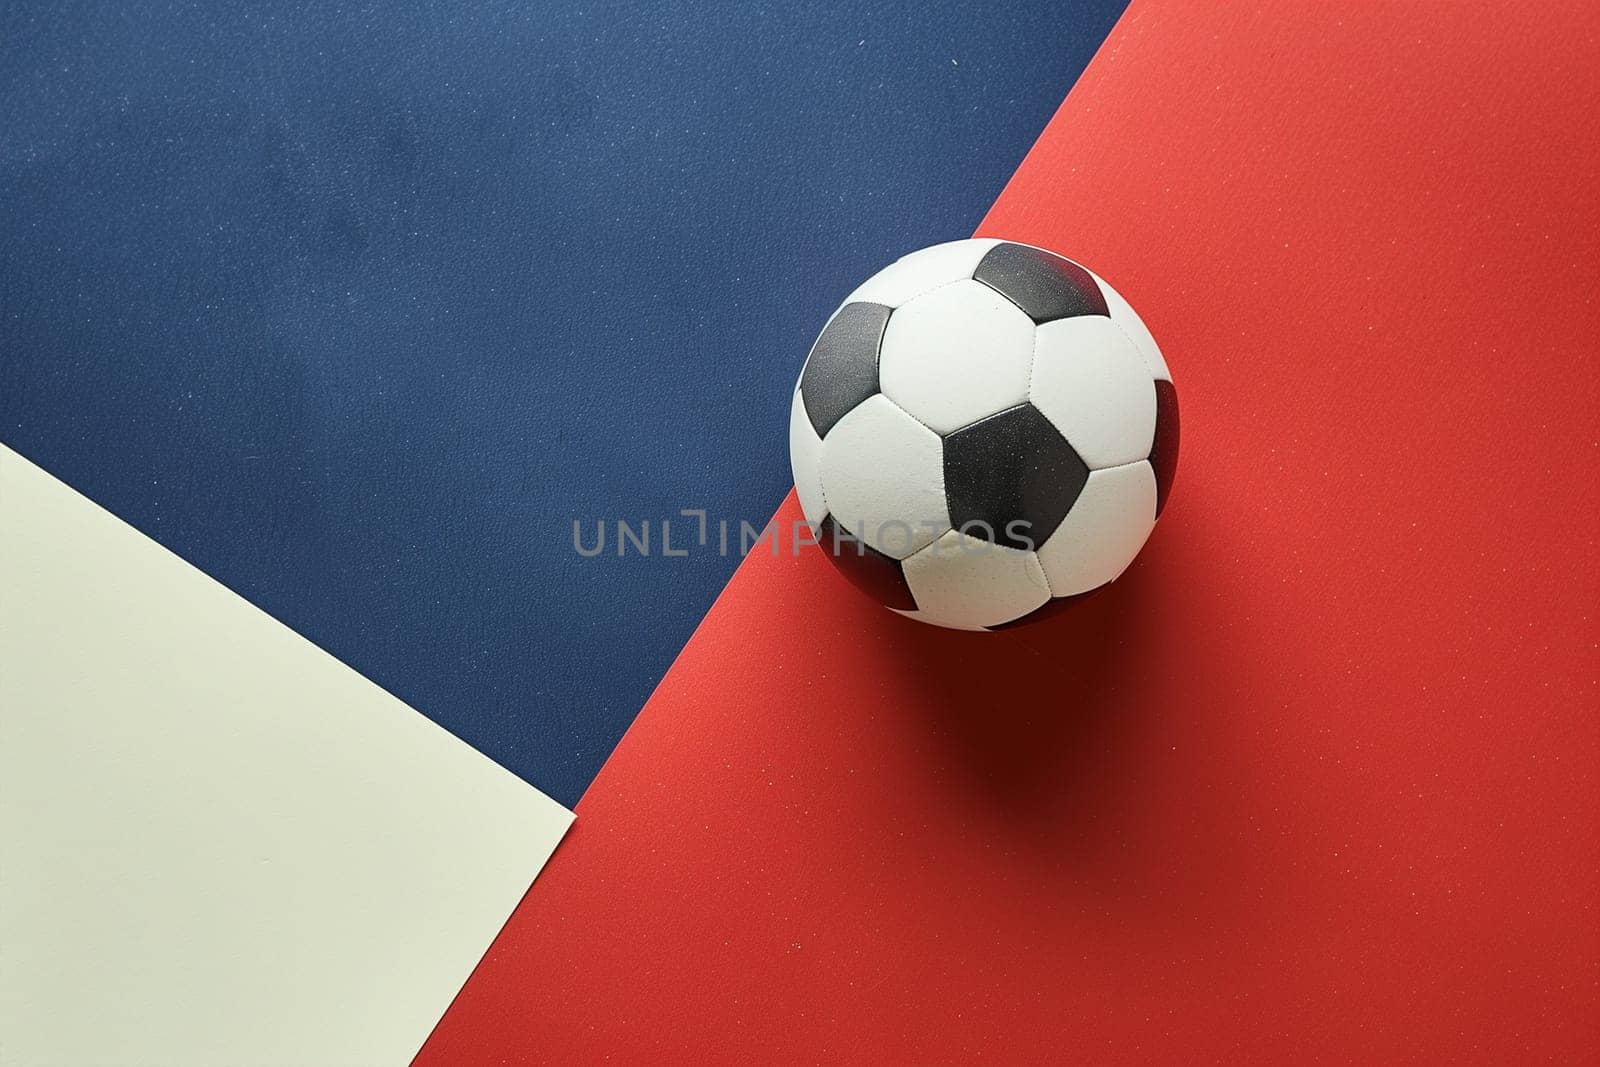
{"x": 1318, "y": 776}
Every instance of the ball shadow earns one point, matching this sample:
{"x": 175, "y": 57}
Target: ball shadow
{"x": 1055, "y": 745}
{"x": 1029, "y": 717}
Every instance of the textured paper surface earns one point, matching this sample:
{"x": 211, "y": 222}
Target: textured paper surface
{"x": 221, "y": 845}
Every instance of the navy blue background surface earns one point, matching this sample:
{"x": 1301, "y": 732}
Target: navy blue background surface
{"x": 357, "y": 308}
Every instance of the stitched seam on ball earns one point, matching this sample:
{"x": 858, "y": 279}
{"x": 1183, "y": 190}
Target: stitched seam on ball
{"x": 1033, "y": 360}
{"x": 931, "y": 289}
{"x": 822, "y": 488}
{"x": 1139, "y": 351}
{"x": 913, "y": 416}
{"x": 964, "y": 278}
{"x": 1046, "y": 575}
{"x": 1119, "y": 466}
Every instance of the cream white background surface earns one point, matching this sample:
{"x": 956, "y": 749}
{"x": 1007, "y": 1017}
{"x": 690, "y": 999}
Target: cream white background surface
{"x": 218, "y": 844}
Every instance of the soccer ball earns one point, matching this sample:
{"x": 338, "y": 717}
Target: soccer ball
{"x": 983, "y": 432}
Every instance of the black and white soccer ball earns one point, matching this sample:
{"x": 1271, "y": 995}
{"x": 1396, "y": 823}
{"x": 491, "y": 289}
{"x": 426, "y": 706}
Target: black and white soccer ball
{"x": 983, "y": 432}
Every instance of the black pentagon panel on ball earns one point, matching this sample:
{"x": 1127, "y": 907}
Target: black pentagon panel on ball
{"x": 875, "y": 574}
{"x": 1043, "y": 284}
{"x": 1011, "y": 478}
{"x": 842, "y": 369}
{"x": 1164, "y": 449}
